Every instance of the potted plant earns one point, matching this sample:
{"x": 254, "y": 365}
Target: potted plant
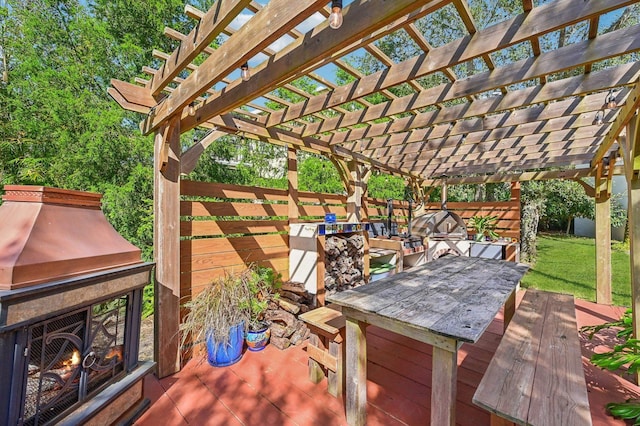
{"x": 262, "y": 285}
{"x": 218, "y": 316}
{"x": 484, "y": 226}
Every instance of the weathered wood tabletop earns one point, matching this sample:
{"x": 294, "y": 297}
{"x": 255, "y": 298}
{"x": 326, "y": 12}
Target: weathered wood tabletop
{"x": 444, "y": 303}
{"x": 452, "y": 296}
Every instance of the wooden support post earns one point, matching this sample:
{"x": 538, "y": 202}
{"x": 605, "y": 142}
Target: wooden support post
{"x": 167, "y": 247}
{"x": 356, "y": 366}
{"x": 356, "y": 191}
{"x": 509, "y": 309}
{"x": 316, "y": 373}
{"x": 443, "y": 386}
{"x": 634, "y": 243}
{"x": 335, "y": 379}
{"x": 603, "y": 243}
{"x": 321, "y": 246}
{"x": 515, "y": 197}
{"x": 292, "y": 172}
{"x": 631, "y": 156}
{"x": 602, "y": 195}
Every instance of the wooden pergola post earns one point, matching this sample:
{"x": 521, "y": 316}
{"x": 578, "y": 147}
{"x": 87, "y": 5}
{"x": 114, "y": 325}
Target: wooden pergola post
{"x": 601, "y": 192}
{"x": 515, "y": 191}
{"x": 292, "y": 173}
{"x": 603, "y": 237}
{"x": 631, "y": 155}
{"x": 166, "y": 245}
{"x": 358, "y": 178}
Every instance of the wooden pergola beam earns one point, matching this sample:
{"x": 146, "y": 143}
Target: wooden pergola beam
{"x": 419, "y": 141}
{"x": 509, "y": 153}
{"x": 190, "y": 157}
{"x": 364, "y": 18}
{"x": 209, "y": 27}
{"x": 573, "y": 174}
{"x": 435, "y": 164}
{"x": 565, "y": 88}
{"x": 541, "y": 20}
{"x": 601, "y": 48}
{"x": 261, "y": 30}
{"x": 281, "y": 136}
{"x": 624, "y": 116}
{"x": 575, "y": 110}
{"x": 503, "y": 167}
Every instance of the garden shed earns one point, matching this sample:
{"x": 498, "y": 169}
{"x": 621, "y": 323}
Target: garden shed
{"x": 493, "y": 103}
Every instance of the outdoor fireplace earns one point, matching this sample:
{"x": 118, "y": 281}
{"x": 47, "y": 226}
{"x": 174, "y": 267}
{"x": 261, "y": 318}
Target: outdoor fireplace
{"x": 70, "y": 306}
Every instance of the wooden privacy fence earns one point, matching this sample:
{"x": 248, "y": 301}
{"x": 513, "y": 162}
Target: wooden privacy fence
{"x": 508, "y": 212}
{"x": 225, "y": 228}
{"x": 312, "y": 207}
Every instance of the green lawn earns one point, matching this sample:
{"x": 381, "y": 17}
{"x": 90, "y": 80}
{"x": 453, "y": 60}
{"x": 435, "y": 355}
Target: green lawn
{"x": 567, "y": 265}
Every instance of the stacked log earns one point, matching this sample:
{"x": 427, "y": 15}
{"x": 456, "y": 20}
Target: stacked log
{"x": 283, "y": 311}
{"x": 344, "y": 262}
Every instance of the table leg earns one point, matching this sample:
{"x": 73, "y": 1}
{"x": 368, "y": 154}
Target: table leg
{"x": 509, "y": 309}
{"x": 443, "y": 387}
{"x": 356, "y": 366}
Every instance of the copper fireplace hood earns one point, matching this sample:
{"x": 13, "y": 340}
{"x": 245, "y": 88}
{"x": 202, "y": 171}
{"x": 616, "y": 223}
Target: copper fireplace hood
{"x": 52, "y": 234}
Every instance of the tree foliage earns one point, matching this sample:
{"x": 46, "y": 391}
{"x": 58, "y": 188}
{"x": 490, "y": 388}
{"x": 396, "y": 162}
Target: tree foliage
{"x": 318, "y": 174}
{"x": 385, "y": 186}
{"x": 59, "y": 128}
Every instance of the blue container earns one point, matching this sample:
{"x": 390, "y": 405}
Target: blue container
{"x": 223, "y": 354}
{"x": 257, "y": 340}
{"x": 330, "y": 218}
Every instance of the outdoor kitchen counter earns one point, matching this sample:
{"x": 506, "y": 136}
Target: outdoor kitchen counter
{"x": 444, "y": 303}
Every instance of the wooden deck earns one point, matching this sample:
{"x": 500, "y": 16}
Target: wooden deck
{"x": 271, "y": 387}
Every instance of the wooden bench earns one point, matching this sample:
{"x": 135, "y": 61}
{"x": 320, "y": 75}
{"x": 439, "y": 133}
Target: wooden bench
{"x": 536, "y": 376}
{"x": 325, "y": 349}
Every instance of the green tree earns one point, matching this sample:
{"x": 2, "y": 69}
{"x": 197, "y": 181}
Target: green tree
{"x": 386, "y": 186}
{"x": 318, "y": 174}
{"x": 58, "y": 126}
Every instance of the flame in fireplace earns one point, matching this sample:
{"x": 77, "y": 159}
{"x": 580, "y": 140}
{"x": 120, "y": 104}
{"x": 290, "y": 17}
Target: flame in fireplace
{"x": 75, "y": 358}
{"x": 72, "y": 362}
{"x": 115, "y": 352}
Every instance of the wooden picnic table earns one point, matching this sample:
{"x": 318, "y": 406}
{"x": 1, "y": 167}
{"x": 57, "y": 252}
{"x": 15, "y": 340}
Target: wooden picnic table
{"x": 444, "y": 303}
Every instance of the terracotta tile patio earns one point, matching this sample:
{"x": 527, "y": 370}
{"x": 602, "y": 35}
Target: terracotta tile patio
{"x": 271, "y": 387}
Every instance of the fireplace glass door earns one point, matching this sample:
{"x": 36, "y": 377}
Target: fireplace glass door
{"x": 71, "y": 357}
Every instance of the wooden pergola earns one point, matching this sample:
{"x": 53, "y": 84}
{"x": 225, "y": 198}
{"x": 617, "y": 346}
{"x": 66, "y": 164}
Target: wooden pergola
{"x": 543, "y": 116}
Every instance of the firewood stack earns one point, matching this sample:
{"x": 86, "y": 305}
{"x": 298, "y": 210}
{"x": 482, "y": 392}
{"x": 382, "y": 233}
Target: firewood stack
{"x": 283, "y": 312}
{"x": 344, "y": 263}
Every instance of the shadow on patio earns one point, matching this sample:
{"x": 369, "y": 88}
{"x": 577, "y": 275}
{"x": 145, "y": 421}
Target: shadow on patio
{"x": 271, "y": 387}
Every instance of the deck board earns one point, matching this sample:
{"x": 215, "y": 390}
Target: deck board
{"x": 398, "y": 386}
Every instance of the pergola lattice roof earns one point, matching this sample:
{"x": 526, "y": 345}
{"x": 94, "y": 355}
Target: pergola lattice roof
{"x": 536, "y": 111}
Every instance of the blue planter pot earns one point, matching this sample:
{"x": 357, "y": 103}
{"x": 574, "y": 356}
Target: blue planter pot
{"x": 221, "y": 354}
{"x": 257, "y": 340}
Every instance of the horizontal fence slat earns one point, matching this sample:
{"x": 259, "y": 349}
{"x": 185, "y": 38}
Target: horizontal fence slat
{"x": 321, "y": 210}
{"x": 190, "y": 248}
{"x": 196, "y": 281}
{"x": 489, "y": 205}
{"x": 502, "y": 215}
{"x": 199, "y": 208}
{"x": 310, "y": 197}
{"x": 220, "y": 227}
{"x": 383, "y": 212}
{"x": 223, "y": 190}
{"x": 397, "y": 204}
{"x": 222, "y": 260}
